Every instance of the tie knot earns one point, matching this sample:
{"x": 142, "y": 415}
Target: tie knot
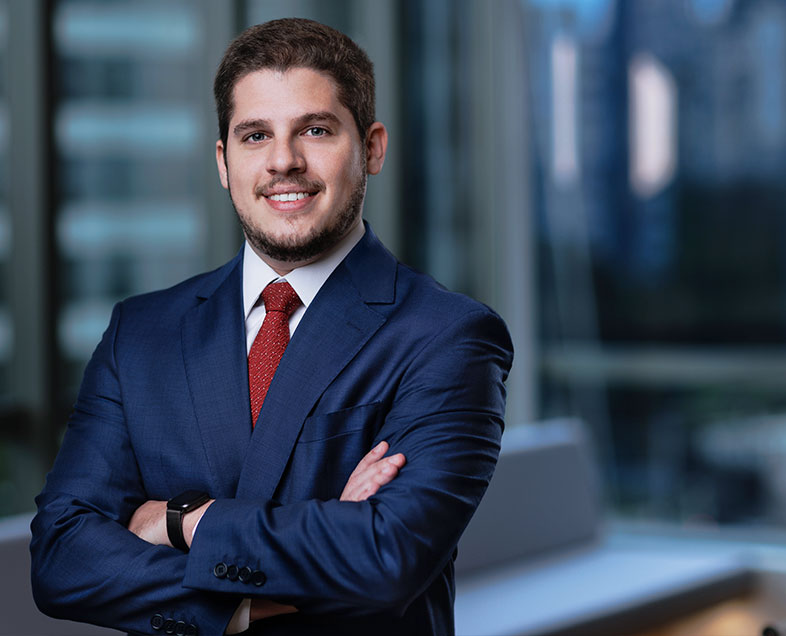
{"x": 280, "y": 297}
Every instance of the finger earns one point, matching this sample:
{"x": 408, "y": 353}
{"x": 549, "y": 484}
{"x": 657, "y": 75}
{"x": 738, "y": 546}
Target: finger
{"x": 397, "y": 460}
{"x": 367, "y": 483}
{"x": 372, "y": 456}
{"x": 388, "y": 469}
{"x": 367, "y": 463}
{"x": 387, "y": 466}
{"x": 372, "y": 471}
{"x": 369, "y": 473}
{"x": 385, "y": 476}
{"x": 361, "y": 486}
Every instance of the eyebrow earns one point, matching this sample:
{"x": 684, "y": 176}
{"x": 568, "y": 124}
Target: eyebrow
{"x": 299, "y": 122}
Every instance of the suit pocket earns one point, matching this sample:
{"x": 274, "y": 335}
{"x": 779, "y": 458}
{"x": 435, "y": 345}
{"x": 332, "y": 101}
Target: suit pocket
{"x": 328, "y": 449}
{"x": 323, "y": 426}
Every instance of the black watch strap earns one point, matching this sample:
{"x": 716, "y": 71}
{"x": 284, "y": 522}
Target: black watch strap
{"x": 174, "y": 529}
{"x": 175, "y": 509}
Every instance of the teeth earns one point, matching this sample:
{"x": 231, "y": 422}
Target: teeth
{"x": 292, "y": 196}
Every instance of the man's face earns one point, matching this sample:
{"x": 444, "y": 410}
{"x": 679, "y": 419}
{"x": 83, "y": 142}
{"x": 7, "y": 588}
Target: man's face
{"x": 295, "y": 165}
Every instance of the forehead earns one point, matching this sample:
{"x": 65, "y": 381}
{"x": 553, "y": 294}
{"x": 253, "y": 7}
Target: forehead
{"x": 272, "y": 94}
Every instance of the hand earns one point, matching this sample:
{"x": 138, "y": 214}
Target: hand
{"x": 149, "y": 522}
{"x": 374, "y": 471}
{"x": 265, "y": 608}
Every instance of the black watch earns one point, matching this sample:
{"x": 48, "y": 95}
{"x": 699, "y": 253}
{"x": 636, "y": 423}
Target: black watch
{"x": 176, "y": 508}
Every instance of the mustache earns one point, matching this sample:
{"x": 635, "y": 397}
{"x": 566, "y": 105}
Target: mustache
{"x": 303, "y": 184}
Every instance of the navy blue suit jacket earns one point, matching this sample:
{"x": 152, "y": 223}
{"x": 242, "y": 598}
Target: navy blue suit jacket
{"x": 382, "y": 353}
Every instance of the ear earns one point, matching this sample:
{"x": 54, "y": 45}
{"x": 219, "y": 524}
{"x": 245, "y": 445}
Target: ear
{"x": 221, "y": 164}
{"x": 376, "y": 146}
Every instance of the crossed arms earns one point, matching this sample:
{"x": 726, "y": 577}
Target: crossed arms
{"x": 372, "y": 472}
{"x": 374, "y": 552}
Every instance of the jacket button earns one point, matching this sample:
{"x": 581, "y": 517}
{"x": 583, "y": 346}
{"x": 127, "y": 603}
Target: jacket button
{"x": 191, "y": 630}
{"x": 180, "y": 628}
{"x": 220, "y": 570}
{"x": 169, "y": 625}
{"x": 258, "y": 578}
{"x": 232, "y": 572}
{"x": 157, "y": 622}
{"x": 244, "y": 575}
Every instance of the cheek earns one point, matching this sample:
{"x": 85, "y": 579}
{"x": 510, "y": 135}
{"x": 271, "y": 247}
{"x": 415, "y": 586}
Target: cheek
{"x": 350, "y": 169}
{"x": 341, "y": 159}
{"x": 242, "y": 176}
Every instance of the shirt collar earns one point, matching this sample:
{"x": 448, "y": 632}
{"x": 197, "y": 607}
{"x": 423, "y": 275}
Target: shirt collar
{"x": 306, "y": 280}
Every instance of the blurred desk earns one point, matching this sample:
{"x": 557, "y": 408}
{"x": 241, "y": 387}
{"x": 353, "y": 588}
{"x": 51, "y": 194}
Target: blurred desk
{"x": 538, "y": 558}
{"x": 618, "y": 587}
{"x": 742, "y": 616}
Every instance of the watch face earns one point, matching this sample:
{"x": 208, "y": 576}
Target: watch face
{"x": 187, "y": 500}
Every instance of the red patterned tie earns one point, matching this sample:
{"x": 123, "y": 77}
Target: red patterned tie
{"x": 271, "y": 341}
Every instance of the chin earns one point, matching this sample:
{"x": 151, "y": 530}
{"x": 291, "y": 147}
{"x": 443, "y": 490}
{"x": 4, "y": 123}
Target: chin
{"x": 291, "y": 240}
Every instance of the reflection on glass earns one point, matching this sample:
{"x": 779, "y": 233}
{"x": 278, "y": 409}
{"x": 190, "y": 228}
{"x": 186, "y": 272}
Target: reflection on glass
{"x": 564, "y": 64}
{"x": 127, "y": 136}
{"x": 664, "y": 323}
{"x": 653, "y": 132}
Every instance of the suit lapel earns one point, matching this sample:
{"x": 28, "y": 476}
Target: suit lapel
{"x": 337, "y": 324}
{"x": 213, "y": 336}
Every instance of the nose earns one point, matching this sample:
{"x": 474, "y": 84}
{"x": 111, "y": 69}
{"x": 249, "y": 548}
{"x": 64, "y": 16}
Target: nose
{"x": 285, "y": 157}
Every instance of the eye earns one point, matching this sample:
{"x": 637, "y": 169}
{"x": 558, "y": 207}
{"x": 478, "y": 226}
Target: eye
{"x": 316, "y": 131}
{"x": 256, "y": 137}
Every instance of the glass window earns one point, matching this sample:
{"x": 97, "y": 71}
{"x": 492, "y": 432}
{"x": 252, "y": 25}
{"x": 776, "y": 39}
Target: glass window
{"x": 6, "y": 228}
{"x": 108, "y": 118}
{"x": 633, "y": 150}
{"x": 130, "y": 145}
{"x": 14, "y": 465}
{"x": 659, "y": 155}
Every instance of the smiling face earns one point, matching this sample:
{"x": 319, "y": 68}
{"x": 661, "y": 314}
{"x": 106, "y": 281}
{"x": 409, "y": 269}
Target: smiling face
{"x": 295, "y": 165}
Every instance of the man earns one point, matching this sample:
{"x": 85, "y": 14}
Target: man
{"x": 301, "y": 524}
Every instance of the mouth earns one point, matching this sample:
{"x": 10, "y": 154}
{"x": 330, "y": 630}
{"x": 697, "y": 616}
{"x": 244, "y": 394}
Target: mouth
{"x": 289, "y": 199}
{"x": 289, "y": 196}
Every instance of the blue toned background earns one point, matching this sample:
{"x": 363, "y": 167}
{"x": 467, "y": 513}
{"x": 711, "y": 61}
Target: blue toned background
{"x": 610, "y": 175}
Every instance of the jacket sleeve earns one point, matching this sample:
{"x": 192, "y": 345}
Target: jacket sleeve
{"x": 363, "y": 557}
{"x": 86, "y": 565}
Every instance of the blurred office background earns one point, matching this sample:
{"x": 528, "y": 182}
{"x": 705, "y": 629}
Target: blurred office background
{"x": 610, "y": 175}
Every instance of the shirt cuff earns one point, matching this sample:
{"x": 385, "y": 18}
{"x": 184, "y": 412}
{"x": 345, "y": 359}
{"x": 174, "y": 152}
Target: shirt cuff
{"x": 241, "y": 619}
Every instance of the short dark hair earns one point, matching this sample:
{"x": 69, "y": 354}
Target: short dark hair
{"x": 297, "y": 43}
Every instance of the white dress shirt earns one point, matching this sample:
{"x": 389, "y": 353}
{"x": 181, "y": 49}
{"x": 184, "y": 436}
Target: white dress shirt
{"x": 306, "y": 281}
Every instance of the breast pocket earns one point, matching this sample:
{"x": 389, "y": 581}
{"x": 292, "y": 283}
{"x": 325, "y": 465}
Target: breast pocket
{"x": 320, "y": 427}
{"x": 328, "y": 449}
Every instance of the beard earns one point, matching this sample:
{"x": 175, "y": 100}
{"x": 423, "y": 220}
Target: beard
{"x": 319, "y": 240}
